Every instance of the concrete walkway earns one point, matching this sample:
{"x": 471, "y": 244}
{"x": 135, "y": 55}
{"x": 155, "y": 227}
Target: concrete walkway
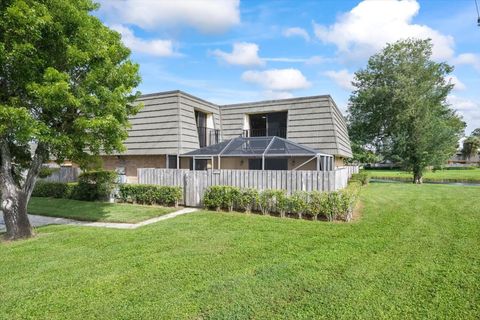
{"x": 38, "y": 221}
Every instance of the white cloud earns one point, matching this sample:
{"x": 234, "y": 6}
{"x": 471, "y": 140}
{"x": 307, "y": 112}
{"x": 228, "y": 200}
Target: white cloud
{"x": 296, "y": 32}
{"x": 317, "y": 60}
{"x": 469, "y": 109}
{"x": 468, "y": 58}
{"x": 458, "y": 85}
{"x": 156, "y": 47}
{"x": 209, "y": 16}
{"x": 343, "y": 78}
{"x": 277, "y": 79}
{"x": 243, "y": 53}
{"x": 366, "y": 29}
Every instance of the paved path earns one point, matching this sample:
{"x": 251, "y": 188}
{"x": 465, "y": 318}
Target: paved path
{"x": 38, "y": 221}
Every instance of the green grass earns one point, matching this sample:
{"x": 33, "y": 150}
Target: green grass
{"x": 413, "y": 255}
{"x": 95, "y": 211}
{"x": 439, "y": 175}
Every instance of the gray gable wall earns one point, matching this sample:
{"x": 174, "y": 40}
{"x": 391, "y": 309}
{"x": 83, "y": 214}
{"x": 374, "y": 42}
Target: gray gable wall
{"x": 166, "y": 124}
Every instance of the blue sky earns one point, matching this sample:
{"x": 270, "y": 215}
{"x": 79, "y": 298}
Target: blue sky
{"x": 236, "y": 51}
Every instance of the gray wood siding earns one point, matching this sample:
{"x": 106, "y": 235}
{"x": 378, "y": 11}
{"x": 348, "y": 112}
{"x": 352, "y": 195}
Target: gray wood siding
{"x": 312, "y": 121}
{"x": 154, "y": 130}
{"x": 188, "y": 126}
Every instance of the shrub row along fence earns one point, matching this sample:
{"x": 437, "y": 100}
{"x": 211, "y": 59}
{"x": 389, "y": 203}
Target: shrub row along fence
{"x": 195, "y": 183}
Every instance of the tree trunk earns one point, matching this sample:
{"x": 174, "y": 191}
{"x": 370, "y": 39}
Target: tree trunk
{"x": 417, "y": 178}
{"x": 14, "y": 207}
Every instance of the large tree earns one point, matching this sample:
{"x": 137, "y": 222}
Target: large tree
{"x": 399, "y": 107}
{"x": 470, "y": 148}
{"x": 66, "y": 86}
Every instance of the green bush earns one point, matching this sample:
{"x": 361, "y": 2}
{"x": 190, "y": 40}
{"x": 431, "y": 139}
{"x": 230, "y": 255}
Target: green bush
{"x": 248, "y": 199}
{"x": 214, "y": 197}
{"x": 267, "y": 201}
{"x": 150, "y": 194}
{"x": 282, "y": 202}
{"x": 54, "y": 189}
{"x": 317, "y": 204}
{"x": 95, "y": 185}
{"x": 361, "y": 177}
{"x": 230, "y": 197}
{"x": 299, "y": 203}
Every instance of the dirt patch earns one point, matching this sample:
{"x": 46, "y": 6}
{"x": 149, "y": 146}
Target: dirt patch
{"x": 357, "y": 211}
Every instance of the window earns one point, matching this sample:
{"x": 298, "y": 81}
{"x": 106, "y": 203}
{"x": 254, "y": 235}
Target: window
{"x": 268, "y": 124}
{"x": 172, "y": 161}
{"x": 270, "y": 164}
{"x": 200, "y": 164}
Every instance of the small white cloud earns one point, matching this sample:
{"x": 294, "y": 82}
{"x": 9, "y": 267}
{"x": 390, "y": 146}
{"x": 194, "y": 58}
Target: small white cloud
{"x": 243, "y": 54}
{"x": 369, "y": 26}
{"x": 296, "y": 32}
{"x": 317, "y": 60}
{"x": 469, "y": 59}
{"x": 468, "y": 109}
{"x": 205, "y": 15}
{"x": 277, "y": 79}
{"x": 458, "y": 85}
{"x": 343, "y": 78}
{"x": 156, "y": 47}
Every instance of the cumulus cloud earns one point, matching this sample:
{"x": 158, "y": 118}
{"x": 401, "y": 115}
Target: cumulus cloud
{"x": 277, "y": 79}
{"x": 156, "y": 47}
{"x": 458, "y": 85}
{"x": 366, "y": 29}
{"x": 296, "y": 32}
{"x": 469, "y": 109}
{"x": 243, "y": 54}
{"x": 469, "y": 59}
{"x": 343, "y": 78}
{"x": 209, "y": 16}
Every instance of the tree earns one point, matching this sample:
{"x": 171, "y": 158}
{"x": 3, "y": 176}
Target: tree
{"x": 476, "y": 132}
{"x": 470, "y": 148}
{"x": 399, "y": 107}
{"x": 66, "y": 86}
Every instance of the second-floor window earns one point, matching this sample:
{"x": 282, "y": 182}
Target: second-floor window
{"x": 207, "y": 135}
{"x": 267, "y": 124}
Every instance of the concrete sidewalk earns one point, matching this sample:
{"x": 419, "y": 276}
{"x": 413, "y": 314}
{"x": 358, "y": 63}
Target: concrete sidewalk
{"x": 38, "y": 221}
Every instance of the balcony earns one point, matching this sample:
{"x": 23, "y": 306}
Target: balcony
{"x": 263, "y": 132}
{"x": 208, "y": 136}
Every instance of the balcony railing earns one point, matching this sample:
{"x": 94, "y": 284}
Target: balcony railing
{"x": 270, "y": 132}
{"x": 208, "y": 136}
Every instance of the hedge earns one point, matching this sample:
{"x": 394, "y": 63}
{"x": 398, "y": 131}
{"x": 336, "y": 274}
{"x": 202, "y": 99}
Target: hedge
{"x": 91, "y": 186}
{"x": 336, "y": 205}
{"x": 150, "y": 194}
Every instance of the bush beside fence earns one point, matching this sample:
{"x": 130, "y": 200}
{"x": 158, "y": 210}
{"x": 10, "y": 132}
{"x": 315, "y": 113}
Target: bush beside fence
{"x": 335, "y": 205}
{"x": 150, "y": 194}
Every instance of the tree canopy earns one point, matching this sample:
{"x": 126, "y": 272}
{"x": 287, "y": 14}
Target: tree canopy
{"x": 66, "y": 85}
{"x": 470, "y": 148}
{"x": 399, "y": 107}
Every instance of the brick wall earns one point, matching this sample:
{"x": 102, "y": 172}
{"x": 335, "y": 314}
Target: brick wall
{"x": 132, "y": 163}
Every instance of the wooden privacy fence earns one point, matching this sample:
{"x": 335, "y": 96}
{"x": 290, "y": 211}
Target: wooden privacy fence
{"x": 63, "y": 174}
{"x": 194, "y": 183}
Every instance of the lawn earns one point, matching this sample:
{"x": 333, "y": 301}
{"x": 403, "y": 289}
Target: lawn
{"x": 95, "y": 211}
{"x": 413, "y": 254}
{"x": 437, "y": 176}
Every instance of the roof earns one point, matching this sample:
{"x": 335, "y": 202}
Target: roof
{"x": 255, "y": 147}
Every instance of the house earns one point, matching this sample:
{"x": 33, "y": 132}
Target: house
{"x": 173, "y": 126}
{"x": 459, "y": 159}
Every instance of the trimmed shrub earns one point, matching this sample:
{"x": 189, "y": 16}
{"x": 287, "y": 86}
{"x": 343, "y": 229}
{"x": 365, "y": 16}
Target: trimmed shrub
{"x": 299, "y": 203}
{"x": 267, "y": 200}
{"x": 54, "y": 189}
{"x": 316, "y": 204}
{"x": 95, "y": 185}
{"x": 361, "y": 177}
{"x": 230, "y": 197}
{"x": 150, "y": 194}
{"x": 214, "y": 197}
{"x": 247, "y": 199}
{"x": 282, "y": 202}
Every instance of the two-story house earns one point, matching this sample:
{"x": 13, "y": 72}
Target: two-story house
{"x": 175, "y": 127}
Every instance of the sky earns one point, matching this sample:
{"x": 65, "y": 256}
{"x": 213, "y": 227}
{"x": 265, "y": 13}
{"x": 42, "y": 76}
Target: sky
{"x": 232, "y": 51}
